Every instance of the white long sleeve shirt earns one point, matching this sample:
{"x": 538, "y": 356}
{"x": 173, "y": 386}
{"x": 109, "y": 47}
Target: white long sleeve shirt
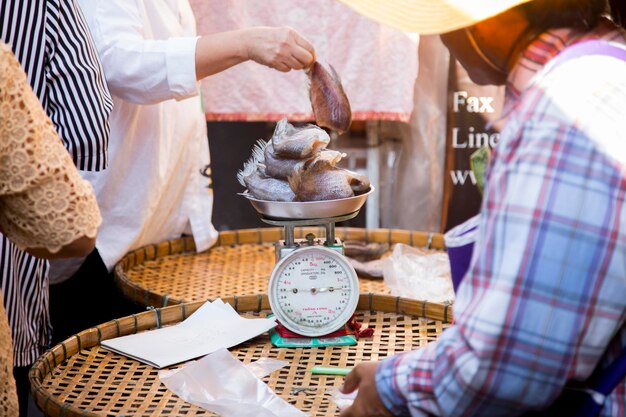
{"x": 153, "y": 189}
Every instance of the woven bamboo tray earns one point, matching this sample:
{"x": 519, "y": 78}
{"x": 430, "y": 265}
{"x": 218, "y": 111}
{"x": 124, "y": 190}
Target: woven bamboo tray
{"x": 240, "y": 263}
{"x": 80, "y": 378}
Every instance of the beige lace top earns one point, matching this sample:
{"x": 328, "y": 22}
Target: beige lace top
{"x": 8, "y": 395}
{"x": 43, "y": 200}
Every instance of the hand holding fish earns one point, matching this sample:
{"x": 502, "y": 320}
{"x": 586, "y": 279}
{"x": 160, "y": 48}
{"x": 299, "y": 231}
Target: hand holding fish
{"x": 281, "y": 48}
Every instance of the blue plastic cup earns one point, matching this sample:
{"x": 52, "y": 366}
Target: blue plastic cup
{"x": 460, "y": 244}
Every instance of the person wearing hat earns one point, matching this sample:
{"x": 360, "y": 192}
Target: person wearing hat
{"x": 540, "y": 312}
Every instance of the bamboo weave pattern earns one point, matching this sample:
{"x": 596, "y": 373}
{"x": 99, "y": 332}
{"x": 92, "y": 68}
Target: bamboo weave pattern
{"x": 239, "y": 264}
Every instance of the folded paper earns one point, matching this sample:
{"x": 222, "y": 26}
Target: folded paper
{"x": 214, "y": 325}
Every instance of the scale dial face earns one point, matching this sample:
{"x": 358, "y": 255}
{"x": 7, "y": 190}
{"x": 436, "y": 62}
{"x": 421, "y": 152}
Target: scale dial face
{"x": 313, "y": 291}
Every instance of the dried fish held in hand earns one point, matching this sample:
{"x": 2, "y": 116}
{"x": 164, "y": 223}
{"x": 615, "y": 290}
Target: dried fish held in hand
{"x": 328, "y": 100}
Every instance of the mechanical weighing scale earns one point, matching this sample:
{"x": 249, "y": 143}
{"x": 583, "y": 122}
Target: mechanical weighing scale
{"x": 313, "y": 289}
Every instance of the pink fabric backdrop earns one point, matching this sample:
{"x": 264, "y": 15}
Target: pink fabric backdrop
{"x": 377, "y": 64}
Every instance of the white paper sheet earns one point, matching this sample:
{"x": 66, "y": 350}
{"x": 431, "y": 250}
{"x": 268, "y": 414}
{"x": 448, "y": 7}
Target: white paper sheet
{"x": 214, "y": 325}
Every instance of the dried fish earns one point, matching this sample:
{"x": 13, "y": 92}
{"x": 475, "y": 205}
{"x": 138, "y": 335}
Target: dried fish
{"x": 328, "y": 100}
{"x": 259, "y": 184}
{"x": 321, "y": 180}
{"x": 282, "y": 168}
{"x": 359, "y": 183}
{"x": 364, "y": 251}
{"x": 267, "y": 188}
{"x": 298, "y": 142}
{"x": 296, "y": 166}
{"x": 368, "y": 269}
{"x": 330, "y": 157}
{"x": 278, "y": 167}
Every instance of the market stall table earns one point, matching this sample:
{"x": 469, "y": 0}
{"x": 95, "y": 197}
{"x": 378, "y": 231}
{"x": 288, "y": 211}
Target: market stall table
{"x": 239, "y": 264}
{"x": 80, "y": 378}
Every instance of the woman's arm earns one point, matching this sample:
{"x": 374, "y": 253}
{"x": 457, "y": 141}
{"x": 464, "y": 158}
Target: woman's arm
{"x": 281, "y": 48}
{"x": 46, "y": 208}
{"x": 141, "y": 68}
{"x": 77, "y": 248}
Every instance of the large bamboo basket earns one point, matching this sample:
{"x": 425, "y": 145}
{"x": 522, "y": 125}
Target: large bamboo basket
{"x": 78, "y": 378}
{"x": 240, "y": 263}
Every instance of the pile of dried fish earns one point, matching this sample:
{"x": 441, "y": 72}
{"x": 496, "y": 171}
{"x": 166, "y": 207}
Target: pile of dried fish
{"x": 294, "y": 165}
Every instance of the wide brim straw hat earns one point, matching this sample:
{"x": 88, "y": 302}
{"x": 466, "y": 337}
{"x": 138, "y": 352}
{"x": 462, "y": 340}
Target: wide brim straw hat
{"x": 429, "y": 17}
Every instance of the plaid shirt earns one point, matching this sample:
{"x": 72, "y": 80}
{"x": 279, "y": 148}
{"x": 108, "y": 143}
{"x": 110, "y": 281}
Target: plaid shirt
{"x": 546, "y": 290}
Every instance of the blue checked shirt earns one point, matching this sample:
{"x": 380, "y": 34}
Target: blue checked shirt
{"x": 544, "y": 300}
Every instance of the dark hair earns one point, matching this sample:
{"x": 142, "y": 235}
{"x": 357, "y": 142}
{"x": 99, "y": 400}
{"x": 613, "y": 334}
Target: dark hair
{"x": 618, "y": 12}
{"x": 579, "y": 14}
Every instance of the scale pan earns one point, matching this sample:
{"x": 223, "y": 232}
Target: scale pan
{"x": 302, "y": 210}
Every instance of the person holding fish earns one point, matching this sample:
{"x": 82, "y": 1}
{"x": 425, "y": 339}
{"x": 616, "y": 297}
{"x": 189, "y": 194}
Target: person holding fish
{"x": 540, "y": 314}
{"x": 156, "y": 187}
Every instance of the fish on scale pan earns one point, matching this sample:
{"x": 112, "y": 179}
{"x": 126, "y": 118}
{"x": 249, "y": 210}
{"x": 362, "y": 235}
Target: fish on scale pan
{"x": 313, "y": 176}
{"x": 260, "y": 185}
{"x": 322, "y": 180}
{"x": 282, "y": 168}
{"x": 293, "y": 142}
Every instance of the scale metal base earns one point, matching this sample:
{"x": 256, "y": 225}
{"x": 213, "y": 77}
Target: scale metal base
{"x": 289, "y": 244}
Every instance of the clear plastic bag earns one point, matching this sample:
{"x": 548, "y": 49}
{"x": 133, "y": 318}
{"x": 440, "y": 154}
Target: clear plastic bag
{"x": 222, "y": 384}
{"x": 341, "y": 400}
{"x": 413, "y": 273}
